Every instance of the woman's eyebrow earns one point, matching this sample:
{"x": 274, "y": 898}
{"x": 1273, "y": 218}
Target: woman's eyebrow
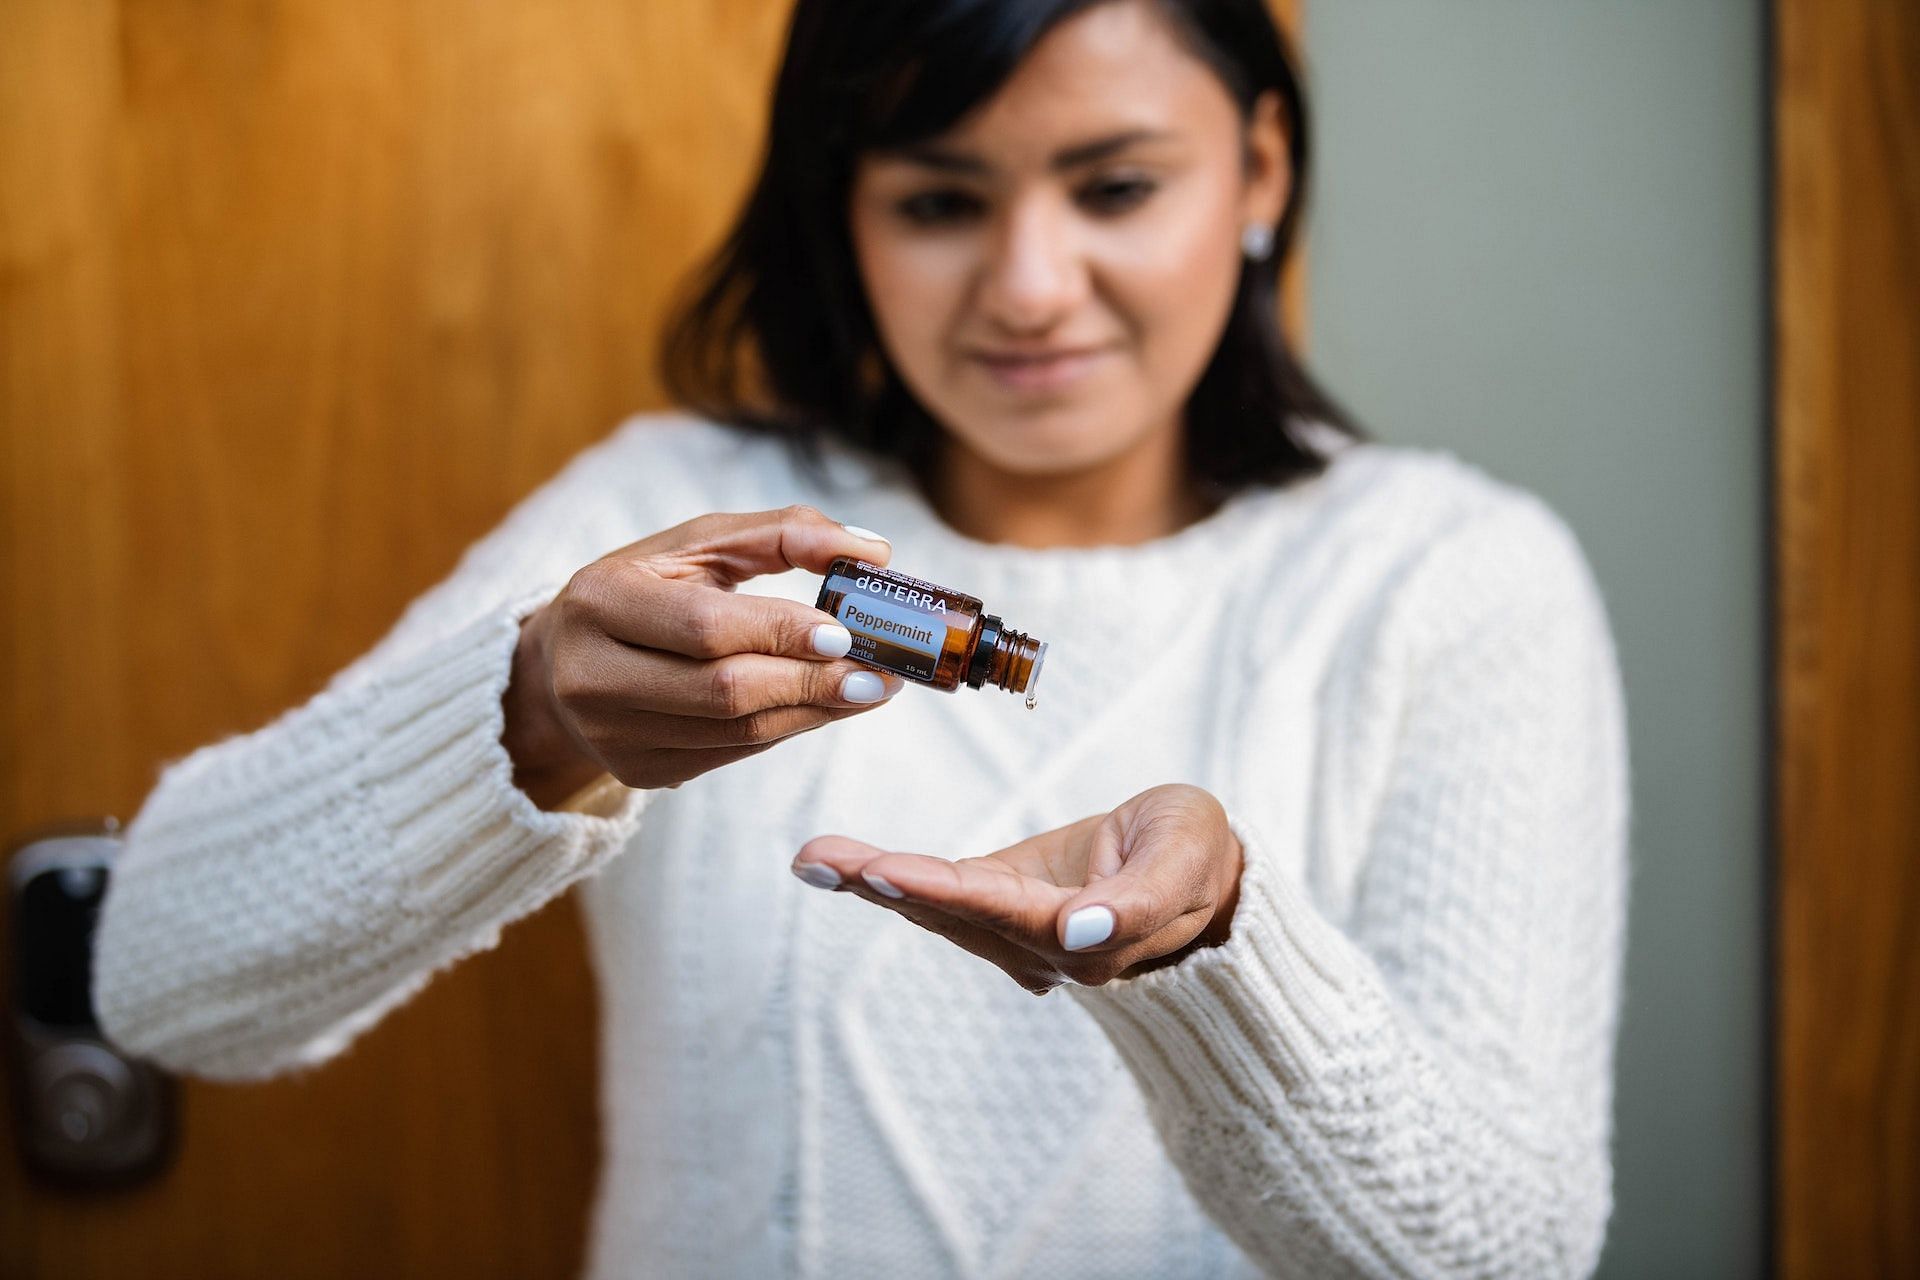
{"x": 933, "y": 156}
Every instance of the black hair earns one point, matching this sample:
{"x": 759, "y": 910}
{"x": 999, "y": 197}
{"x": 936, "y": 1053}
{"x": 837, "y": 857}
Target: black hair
{"x": 774, "y": 332}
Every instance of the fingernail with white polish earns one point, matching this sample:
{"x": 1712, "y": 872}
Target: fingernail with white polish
{"x": 868, "y": 534}
{"x": 1089, "y": 927}
{"x": 880, "y": 884}
{"x": 863, "y": 686}
{"x": 832, "y": 640}
{"x": 817, "y": 874}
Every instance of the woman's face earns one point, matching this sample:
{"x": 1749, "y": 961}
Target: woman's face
{"x": 1051, "y": 276}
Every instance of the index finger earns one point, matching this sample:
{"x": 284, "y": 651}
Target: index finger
{"x": 980, "y": 891}
{"x": 704, "y": 622}
{"x": 724, "y": 549}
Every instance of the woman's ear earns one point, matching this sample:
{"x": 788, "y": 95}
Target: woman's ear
{"x": 1269, "y": 173}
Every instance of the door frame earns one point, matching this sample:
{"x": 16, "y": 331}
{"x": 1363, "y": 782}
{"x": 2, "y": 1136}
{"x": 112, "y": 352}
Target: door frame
{"x": 1844, "y": 958}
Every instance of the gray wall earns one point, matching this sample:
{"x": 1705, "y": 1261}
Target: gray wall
{"x": 1538, "y": 242}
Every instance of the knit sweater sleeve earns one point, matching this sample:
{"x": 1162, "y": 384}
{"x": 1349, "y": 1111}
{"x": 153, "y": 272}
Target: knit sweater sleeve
{"x": 280, "y": 891}
{"x": 1423, "y": 1087}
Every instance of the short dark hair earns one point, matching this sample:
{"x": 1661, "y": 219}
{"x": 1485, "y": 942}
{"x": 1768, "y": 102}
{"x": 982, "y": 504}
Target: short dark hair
{"x": 774, "y": 332}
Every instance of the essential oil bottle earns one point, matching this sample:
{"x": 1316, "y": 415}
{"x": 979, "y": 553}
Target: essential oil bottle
{"x": 926, "y": 633}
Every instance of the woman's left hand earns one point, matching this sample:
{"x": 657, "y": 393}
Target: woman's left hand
{"x": 1110, "y": 896}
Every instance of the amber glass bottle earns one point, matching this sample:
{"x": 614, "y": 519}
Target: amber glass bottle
{"x": 925, "y": 633}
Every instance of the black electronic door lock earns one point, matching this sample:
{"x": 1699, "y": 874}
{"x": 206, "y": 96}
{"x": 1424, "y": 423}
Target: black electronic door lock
{"x": 85, "y": 1114}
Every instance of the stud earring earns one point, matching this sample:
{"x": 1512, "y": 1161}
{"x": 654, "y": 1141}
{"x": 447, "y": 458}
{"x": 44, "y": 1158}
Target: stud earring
{"x": 1257, "y": 240}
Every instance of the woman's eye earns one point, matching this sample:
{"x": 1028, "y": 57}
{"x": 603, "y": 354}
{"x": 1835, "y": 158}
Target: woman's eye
{"x": 1117, "y": 195}
{"x": 947, "y": 207}
{"x": 932, "y": 208}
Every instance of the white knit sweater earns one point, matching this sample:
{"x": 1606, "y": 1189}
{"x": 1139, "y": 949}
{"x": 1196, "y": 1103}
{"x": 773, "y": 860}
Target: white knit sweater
{"x": 1397, "y": 677}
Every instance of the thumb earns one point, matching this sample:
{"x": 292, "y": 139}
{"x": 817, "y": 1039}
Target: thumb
{"x": 1146, "y": 907}
{"x": 1166, "y": 854}
{"x": 724, "y": 549}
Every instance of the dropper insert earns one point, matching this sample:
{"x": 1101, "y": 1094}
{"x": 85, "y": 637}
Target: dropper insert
{"x": 1033, "y": 676}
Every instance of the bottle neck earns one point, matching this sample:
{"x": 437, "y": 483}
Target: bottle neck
{"x": 1009, "y": 659}
{"x": 1014, "y": 661}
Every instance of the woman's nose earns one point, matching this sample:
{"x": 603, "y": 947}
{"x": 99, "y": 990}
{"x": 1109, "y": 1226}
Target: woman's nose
{"x": 1034, "y": 275}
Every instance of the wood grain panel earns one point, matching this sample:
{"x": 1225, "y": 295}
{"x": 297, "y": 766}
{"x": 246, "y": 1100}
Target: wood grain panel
{"x": 1847, "y": 104}
{"x": 1293, "y": 278}
{"x": 296, "y": 299}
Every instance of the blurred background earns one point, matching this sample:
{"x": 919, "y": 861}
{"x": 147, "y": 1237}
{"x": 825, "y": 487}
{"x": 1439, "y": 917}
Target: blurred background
{"x": 297, "y": 298}
{"x": 1539, "y": 243}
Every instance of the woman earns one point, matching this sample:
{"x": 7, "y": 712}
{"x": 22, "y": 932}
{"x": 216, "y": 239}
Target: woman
{"x": 1321, "y": 821}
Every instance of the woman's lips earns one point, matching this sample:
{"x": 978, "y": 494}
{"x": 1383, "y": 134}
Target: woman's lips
{"x": 1041, "y": 373}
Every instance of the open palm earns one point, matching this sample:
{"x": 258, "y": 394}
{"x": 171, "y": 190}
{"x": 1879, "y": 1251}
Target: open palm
{"x": 1110, "y": 896}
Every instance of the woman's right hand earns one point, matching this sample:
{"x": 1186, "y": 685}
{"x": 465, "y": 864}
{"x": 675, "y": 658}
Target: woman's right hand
{"x": 648, "y": 667}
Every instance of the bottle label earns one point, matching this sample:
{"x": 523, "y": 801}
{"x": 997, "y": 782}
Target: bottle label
{"x": 891, "y": 635}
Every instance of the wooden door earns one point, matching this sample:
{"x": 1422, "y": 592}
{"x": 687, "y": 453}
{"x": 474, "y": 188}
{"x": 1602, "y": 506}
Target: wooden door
{"x": 1847, "y": 397}
{"x": 297, "y": 298}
